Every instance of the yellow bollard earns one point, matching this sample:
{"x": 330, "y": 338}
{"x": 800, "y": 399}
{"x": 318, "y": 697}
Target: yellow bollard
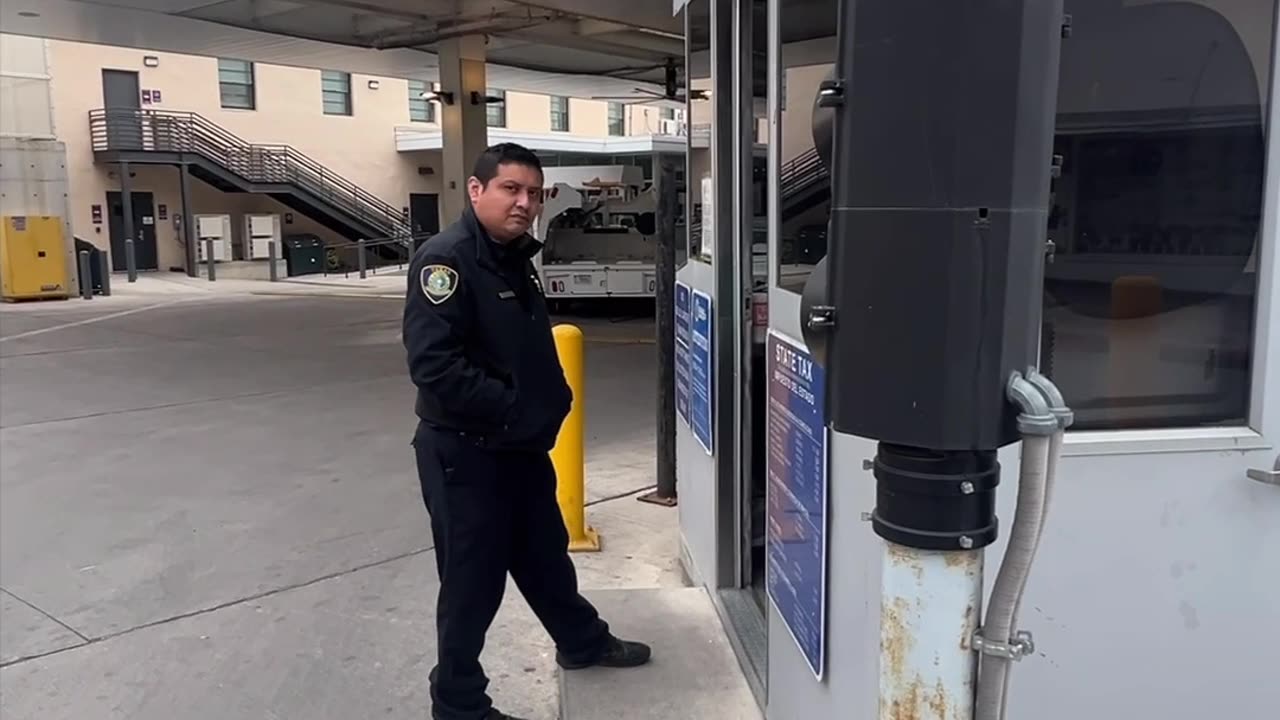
{"x": 567, "y": 456}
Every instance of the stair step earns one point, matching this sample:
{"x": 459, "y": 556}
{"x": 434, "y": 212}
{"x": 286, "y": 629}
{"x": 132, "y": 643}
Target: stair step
{"x": 693, "y": 674}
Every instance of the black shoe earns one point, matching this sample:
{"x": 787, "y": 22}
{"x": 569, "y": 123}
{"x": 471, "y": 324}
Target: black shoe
{"x": 494, "y": 714}
{"x": 616, "y": 654}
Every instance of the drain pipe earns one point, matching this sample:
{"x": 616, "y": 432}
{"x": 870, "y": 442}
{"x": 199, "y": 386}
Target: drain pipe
{"x": 1042, "y": 420}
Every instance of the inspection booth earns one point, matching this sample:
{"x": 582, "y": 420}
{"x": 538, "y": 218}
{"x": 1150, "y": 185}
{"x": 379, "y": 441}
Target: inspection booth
{"x": 1156, "y": 590}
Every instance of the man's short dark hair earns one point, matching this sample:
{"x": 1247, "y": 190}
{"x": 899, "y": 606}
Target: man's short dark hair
{"x": 501, "y": 154}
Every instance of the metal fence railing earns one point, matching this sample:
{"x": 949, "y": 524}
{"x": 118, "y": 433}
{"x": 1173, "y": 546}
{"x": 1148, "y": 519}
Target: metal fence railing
{"x": 369, "y": 257}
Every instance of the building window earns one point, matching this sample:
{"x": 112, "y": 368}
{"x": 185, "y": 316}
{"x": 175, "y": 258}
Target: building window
{"x": 668, "y": 113}
{"x": 336, "y": 88}
{"x": 421, "y": 109}
{"x": 496, "y": 111}
{"x": 235, "y": 84}
{"x": 617, "y": 119}
{"x": 560, "y": 113}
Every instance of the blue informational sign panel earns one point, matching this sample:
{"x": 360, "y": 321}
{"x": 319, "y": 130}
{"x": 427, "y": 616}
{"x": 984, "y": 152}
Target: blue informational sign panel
{"x": 682, "y": 352}
{"x": 701, "y": 393}
{"x": 797, "y": 496}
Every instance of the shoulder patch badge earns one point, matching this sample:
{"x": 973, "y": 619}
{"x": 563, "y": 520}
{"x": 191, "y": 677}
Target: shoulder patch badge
{"x": 438, "y": 282}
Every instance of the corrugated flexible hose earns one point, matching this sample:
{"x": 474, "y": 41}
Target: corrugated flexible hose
{"x": 1037, "y": 473}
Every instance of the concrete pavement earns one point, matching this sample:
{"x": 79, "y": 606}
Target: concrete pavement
{"x": 209, "y": 509}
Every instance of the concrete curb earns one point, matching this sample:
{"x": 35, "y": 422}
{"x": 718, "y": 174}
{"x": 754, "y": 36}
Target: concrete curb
{"x": 365, "y": 296}
{"x": 619, "y": 341}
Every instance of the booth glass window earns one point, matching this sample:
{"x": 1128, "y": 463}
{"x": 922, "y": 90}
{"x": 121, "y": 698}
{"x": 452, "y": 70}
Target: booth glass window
{"x": 1155, "y": 223}
{"x": 807, "y": 56}
{"x": 699, "y": 190}
{"x": 1156, "y": 218}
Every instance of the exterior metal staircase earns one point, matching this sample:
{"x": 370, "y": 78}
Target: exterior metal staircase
{"x": 231, "y": 164}
{"x": 805, "y": 183}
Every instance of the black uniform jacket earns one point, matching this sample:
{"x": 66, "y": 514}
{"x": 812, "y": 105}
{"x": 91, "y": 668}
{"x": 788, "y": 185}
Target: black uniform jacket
{"x": 479, "y": 343}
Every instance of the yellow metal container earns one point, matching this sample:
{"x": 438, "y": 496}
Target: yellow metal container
{"x": 33, "y": 262}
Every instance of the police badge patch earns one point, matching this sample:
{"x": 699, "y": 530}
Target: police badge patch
{"x": 438, "y": 282}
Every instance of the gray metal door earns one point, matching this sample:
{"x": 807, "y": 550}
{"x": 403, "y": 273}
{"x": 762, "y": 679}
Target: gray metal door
{"x": 145, "y": 253}
{"x": 424, "y": 212}
{"x": 122, "y": 99}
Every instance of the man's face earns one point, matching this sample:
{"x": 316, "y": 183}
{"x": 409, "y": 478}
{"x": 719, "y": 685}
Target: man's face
{"x": 509, "y": 203}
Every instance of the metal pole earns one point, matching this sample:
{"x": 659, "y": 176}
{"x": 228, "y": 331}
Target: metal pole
{"x": 271, "y": 259}
{"x": 361, "y": 260}
{"x": 126, "y": 200}
{"x": 664, "y": 328}
{"x": 104, "y": 267}
{"x": 188, "y": 223}
{"x": 130, "y": 260}
{"x": 208, "y": 256}
{"x": 935, "y": 511}
{"x": 86, "y": 276}
{"x": 929, "y": 608}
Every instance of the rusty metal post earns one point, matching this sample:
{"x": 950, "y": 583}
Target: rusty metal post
{"x": 931, "y": 602}
{"x": 935, "y": 512}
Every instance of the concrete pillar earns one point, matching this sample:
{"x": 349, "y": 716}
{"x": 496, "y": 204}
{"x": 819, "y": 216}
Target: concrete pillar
{"x": 462, "y": 121}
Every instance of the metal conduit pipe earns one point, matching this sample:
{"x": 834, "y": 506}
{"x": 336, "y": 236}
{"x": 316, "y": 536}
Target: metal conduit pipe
{"x": 1042, "y": 422}
{"x": 1057, "y": 406}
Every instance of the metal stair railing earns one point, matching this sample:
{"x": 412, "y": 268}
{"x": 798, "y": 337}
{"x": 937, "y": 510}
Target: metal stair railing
{"x": 187, "y": 132}
{"x": 378, "y": 254}
{"x": 802, "y": 173}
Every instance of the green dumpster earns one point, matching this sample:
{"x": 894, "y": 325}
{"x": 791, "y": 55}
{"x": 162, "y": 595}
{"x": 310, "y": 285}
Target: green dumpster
{"x": 303, "y": 254}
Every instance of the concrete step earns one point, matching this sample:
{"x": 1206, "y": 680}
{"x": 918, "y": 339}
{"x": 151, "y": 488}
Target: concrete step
{"x": 693, "y": 674}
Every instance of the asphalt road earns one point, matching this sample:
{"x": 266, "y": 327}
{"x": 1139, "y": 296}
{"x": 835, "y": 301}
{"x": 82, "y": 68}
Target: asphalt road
{"x": 208, "y": 510}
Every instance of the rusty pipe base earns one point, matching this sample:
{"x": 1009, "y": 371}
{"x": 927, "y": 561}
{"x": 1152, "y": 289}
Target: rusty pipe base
{"x": 930, "y": 605}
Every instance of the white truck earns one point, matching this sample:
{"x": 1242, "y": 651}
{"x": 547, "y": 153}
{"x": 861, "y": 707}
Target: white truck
{"x": 598, "y": 228}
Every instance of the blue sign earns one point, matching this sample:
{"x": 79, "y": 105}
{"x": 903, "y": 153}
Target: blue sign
{"x": 797, "y": 496}
{"x": 682, "y": 352}
{"x": 700, "y": 376}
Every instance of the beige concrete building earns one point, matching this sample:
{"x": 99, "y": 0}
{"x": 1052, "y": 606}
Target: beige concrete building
{"x": 337, "y": 155}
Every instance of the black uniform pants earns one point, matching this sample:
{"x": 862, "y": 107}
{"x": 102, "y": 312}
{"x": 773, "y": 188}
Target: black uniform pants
{"x": 494, "y": 512}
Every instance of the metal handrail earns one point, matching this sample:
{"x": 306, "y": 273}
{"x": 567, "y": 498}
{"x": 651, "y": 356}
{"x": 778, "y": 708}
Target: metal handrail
{"x": 802, "y": 172}
{"x": 374, "y": 255}
{"x": 188, "y": 132}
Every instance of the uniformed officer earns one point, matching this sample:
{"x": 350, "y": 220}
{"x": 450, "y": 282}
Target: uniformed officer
{"x": 491, "y": 399}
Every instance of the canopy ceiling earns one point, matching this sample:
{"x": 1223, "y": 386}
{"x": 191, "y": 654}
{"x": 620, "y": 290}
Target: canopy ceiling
{"x": 569, "y": 47}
